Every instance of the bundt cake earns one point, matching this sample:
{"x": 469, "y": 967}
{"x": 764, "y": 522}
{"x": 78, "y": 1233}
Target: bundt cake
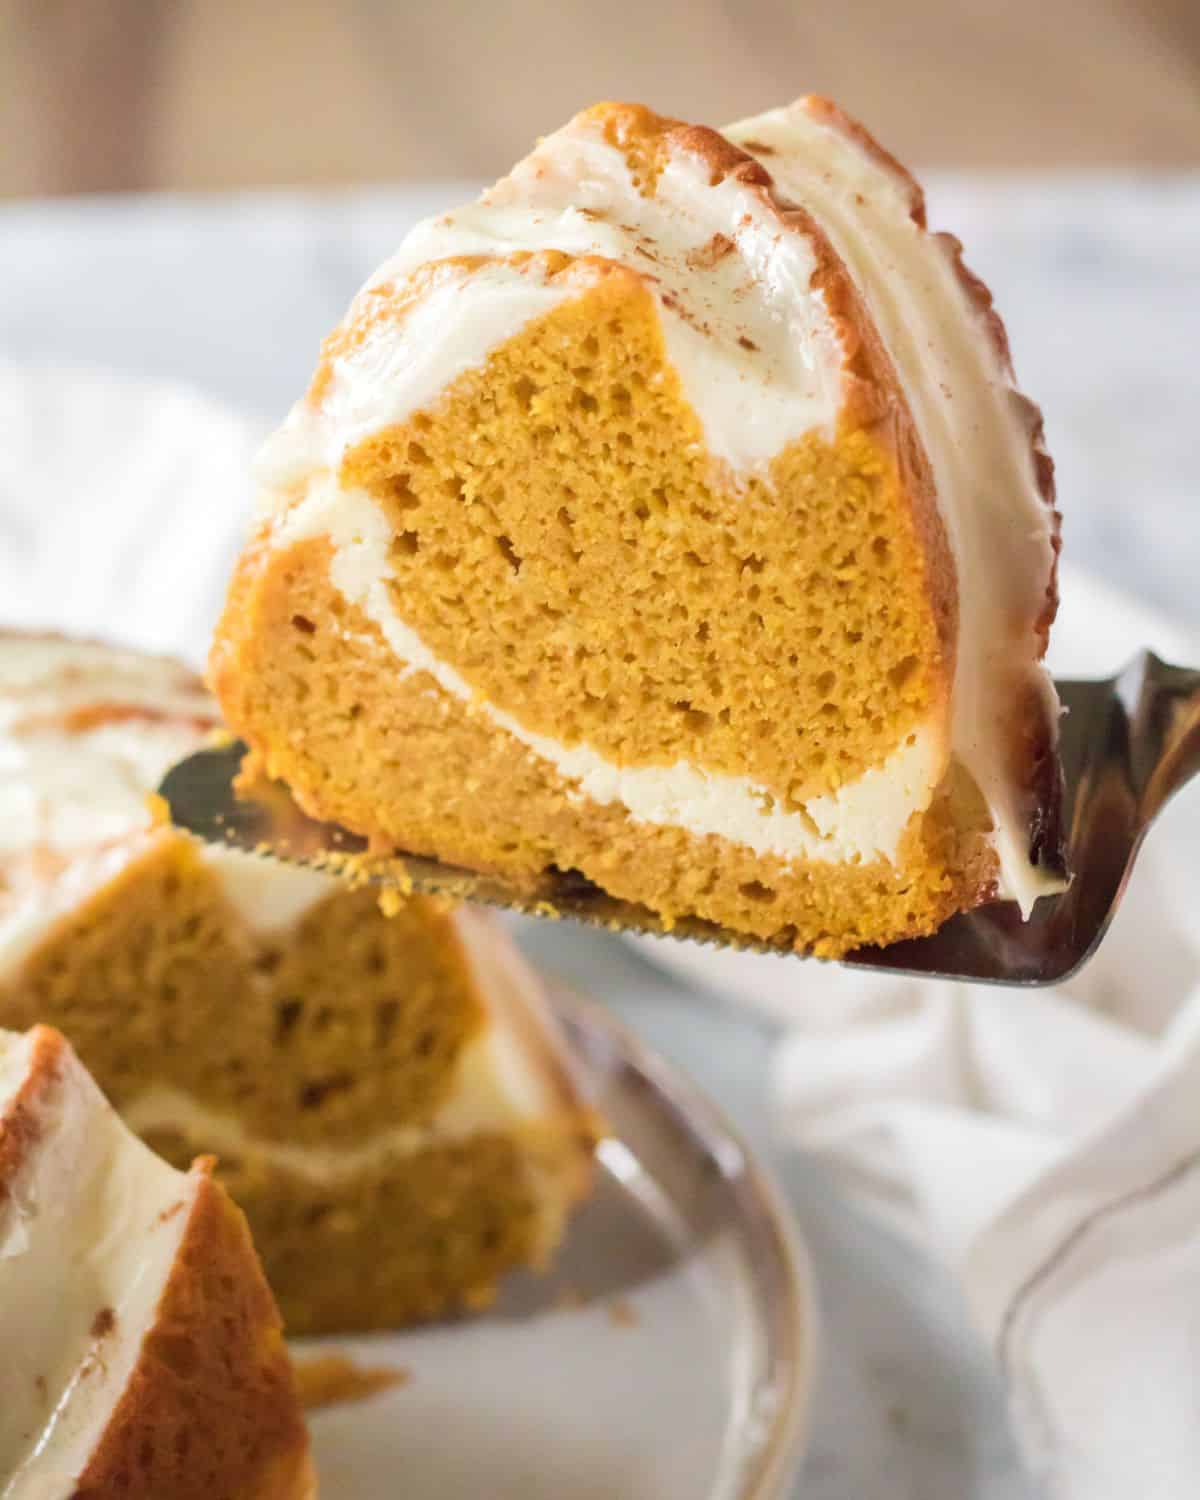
{"x": 668, "y": 518}
{"x": 143, "y": 1355}
{"x": 387, "y": 1097}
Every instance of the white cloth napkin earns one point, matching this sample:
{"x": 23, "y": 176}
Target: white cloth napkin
{"x": 1046, "y": 1143}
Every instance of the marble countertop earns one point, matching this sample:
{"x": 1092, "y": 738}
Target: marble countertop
{"x": 1098, "y": 278}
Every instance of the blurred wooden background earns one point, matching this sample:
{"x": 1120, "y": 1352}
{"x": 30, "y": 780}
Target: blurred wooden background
{"x": 100, "y": 95}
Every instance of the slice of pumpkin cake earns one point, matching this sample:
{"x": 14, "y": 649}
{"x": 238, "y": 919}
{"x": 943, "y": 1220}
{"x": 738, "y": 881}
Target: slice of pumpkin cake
{"x": 143, "y": 1355}
{"x": 669, "y": 516}
{"x": 388, "y": 1097}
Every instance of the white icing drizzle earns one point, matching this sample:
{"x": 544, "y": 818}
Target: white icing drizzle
{"x": 92, "y": 1221}
{"x": 977, "y": 442}
{"x": 750, "y": 339}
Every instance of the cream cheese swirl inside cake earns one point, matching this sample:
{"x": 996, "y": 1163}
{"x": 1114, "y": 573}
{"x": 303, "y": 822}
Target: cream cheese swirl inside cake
{"x": 677, "y": 494}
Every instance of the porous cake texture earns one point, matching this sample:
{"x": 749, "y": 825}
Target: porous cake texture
{"x": 388, "y": 1096}
{"x": 669, "y": 517}
{"x": 143, "y": 1354}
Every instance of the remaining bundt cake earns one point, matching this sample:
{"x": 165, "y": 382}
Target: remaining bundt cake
{"x": 142, "y": 1352}
{"x": 387, "y": 1096}
{"x": 669, "y": 516}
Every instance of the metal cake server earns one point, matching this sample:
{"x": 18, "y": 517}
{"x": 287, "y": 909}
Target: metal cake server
{"x": 1128, "y": 742}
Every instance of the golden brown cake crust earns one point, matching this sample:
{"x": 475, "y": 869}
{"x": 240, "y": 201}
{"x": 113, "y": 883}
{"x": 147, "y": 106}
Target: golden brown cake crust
{"x": 20, "y": 1130}
{"x": 211, "y": 1409}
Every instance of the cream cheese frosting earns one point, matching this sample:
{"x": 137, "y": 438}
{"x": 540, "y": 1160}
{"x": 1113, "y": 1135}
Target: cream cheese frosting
{"x": 975, "y": 435}
{"x": 751, "y": 340}
{"x": 90, "y": 1227}
{"x": 87, "y": 731}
